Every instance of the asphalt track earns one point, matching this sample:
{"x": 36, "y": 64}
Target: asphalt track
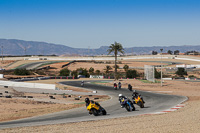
{"x": 35, "y": 65}
{"x": 154, "y": 103}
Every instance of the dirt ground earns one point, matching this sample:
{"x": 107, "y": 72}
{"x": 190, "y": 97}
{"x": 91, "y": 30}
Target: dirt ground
{"x": 23, "y": 105}
{"x": 102, "y": 66}
{"x": 185, "y": 119}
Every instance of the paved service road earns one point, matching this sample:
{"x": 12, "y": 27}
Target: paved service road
{"x": 35, "y": 65}
{"x": 154, "y": 103}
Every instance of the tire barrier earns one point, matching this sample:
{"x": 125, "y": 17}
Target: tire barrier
{"x": 63, "y": 77}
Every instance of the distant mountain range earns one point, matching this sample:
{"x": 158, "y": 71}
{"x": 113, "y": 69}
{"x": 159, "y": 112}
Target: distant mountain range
{"x": 20, "y": 47}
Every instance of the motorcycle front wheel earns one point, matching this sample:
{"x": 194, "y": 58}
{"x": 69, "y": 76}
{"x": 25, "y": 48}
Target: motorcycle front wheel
{"x": 141, "y": 104}
{"x": 128, "y": 108}
{"x": 104, "y": 112}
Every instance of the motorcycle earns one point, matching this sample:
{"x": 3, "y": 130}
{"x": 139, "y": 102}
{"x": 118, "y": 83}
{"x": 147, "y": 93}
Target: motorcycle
{"x": 139, "y": 101}
{"x": 115, "y": 86}
{"x": 128, "y": 104}
{"x": 130, "y": 87}
{"x": 82, "y": 84}
{"x": 120, "y": 86}
{"x": 96, "y": 109}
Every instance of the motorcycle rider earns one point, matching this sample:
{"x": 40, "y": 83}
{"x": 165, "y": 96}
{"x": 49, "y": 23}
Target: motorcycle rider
{"x": 120, "y": 99}
{"x": 135, "y": 95}
{"x": 87, "y": 102}
{"x": 82, "y": 83}
{"x": 129, "y": 87}
{"x": 120, "y": 85}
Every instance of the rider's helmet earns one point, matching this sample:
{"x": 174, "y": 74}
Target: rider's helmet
{"x": 87, "y": 100}
{"x": 120, "y": 95}
{"x": 134, "y": 91}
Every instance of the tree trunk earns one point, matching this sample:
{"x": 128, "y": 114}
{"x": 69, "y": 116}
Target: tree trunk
{"x": 115, "y": 74}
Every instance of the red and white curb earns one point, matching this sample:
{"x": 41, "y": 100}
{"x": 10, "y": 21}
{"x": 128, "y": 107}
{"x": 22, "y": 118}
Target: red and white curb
{"x": 168, "y": 110}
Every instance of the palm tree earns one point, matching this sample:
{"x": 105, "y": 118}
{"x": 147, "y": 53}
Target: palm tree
{"x": 126, "y": 67}
{"x": 116, "y": 47}
{"x": 98, "y": 72}
{"x": 91, "y": 70}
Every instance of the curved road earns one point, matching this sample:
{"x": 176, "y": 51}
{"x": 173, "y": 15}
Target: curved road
{"x": 154, "y": 103}
{"x": 35, "y": 65}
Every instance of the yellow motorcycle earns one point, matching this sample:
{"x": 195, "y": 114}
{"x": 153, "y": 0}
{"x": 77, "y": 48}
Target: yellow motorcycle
{"x": 137, "y": 100}
{"x": 95, "y": 109}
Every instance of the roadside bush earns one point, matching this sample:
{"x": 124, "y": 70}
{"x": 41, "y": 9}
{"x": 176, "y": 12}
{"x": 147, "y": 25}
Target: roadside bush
{"x": 91, "y": 70}
{"x": 80, "y": 71}
{"x": 21, "y": 72}
{"x": 192, "y": 76}
{"x": 84, "y": 72}
{"x": 131, "y": 74}
{"x": 74, "y": 74}
{"x": 126, "y": 67}
{"x": 157, "y": 74}
{"x": 97, "y": 72}
{"x": 64, "y": 72}
{"x": 181, "y": 72}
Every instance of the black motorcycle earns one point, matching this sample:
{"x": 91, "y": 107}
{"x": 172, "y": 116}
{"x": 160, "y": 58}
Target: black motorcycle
{"x": 82, "y": 84}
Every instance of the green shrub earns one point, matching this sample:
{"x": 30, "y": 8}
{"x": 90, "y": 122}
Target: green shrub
{"x": 181, "y": 72}
{"x": 64, "y": 72}
{"x": 80, "y": 71}
{"x": 131, "y": 74}
{"x": 21, "y": 72}
{"x": 83, "y": 71}
{"x": 192, "y": 76}
{"x": 157, "y": 74}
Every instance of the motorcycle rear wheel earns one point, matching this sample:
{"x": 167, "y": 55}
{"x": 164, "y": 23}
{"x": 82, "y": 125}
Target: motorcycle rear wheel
{"x": 133, "y": 108}
{"x": 104, "y": 112}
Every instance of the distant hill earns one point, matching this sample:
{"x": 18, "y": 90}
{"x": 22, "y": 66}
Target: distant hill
{"x": 20, "y": 47}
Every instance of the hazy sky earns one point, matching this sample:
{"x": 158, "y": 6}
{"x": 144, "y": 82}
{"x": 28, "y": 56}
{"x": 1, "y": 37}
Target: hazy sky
{"x": 95, "y": 23}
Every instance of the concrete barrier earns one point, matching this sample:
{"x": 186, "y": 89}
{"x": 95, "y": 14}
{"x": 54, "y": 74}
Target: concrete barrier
{"x": 96, "y": 76}
{"x": 1, "y": 76}
{"x": 28, "y": 85}
{"x": 167, "y": 78}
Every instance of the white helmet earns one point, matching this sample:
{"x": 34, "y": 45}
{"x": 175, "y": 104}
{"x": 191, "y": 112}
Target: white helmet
{"x": 120, "y": 95}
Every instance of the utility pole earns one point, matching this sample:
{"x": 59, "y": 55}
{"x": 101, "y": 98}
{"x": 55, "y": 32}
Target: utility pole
{"x": 132, "y": 51}
{"x": 161, "y": 68}
{"x": 25, "y": 51}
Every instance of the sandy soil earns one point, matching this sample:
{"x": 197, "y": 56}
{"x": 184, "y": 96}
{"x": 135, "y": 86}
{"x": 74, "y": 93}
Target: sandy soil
{"x": 6, "y": 63}
{"x": 102, "y": 66}
{"x": 185, "y": 119}
{"x": 22, "y": 106}
{"x": 57, "y": 66}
